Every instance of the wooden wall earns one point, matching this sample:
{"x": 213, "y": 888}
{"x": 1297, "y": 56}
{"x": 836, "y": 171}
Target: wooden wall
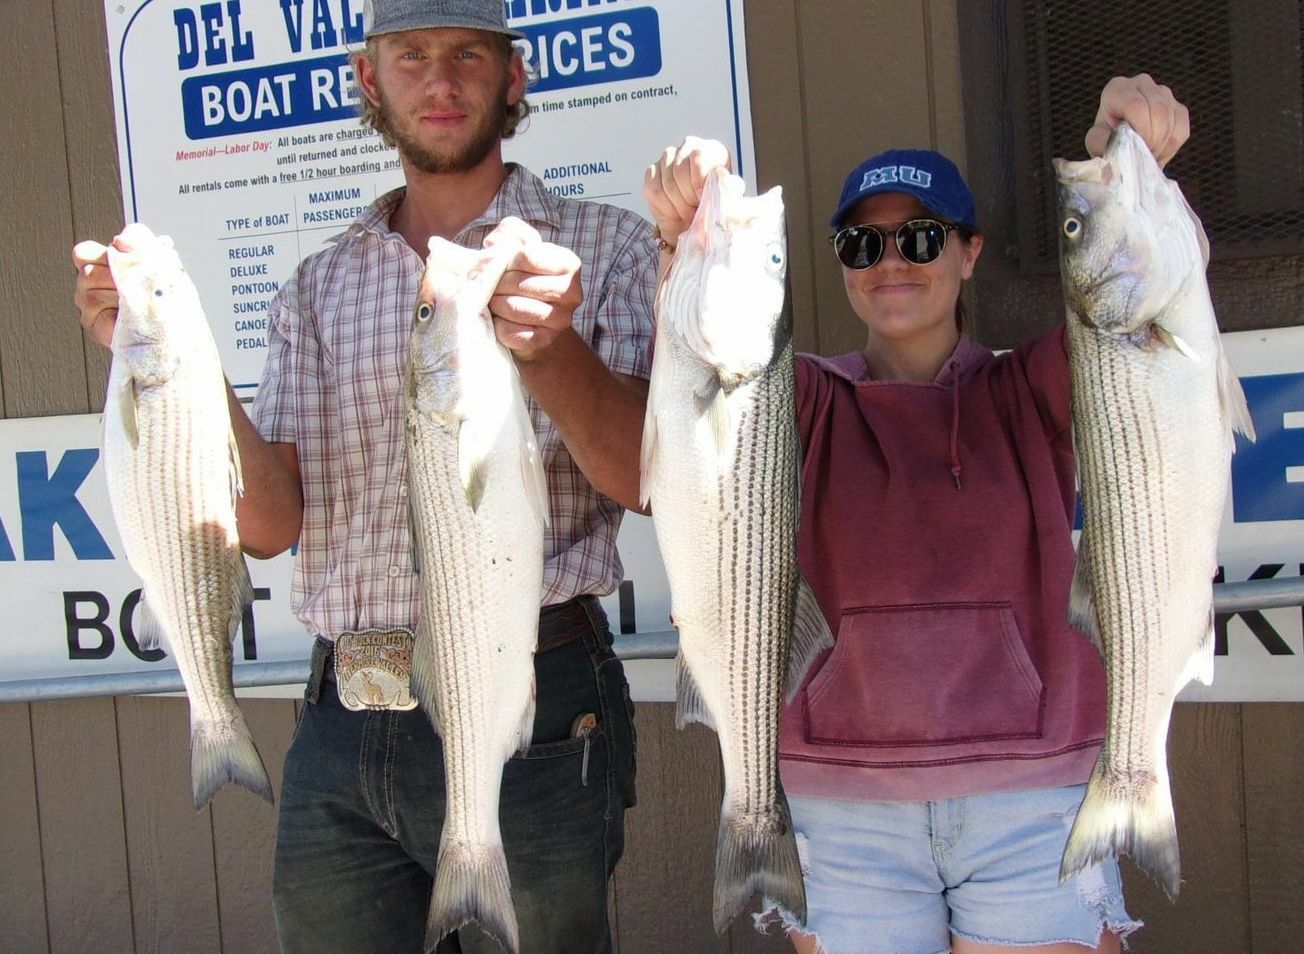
{"x": 99, "y": 847}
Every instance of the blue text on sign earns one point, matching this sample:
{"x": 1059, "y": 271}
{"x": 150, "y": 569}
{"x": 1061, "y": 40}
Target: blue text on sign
{"x": 604, "y": 48}
{"x": 269, "y": 97}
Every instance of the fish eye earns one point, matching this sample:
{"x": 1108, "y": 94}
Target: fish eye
{"x": 776, "y": 257}
{"x": 1072, "y": 227}
{"x": 158, "y": 293}
{"x": 424, "y": 311}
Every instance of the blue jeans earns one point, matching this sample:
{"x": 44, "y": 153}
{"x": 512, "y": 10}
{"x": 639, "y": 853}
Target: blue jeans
{"x": 362, "y": 809}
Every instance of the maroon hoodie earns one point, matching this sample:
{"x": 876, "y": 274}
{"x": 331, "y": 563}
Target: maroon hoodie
{"x": 935, "y": 528}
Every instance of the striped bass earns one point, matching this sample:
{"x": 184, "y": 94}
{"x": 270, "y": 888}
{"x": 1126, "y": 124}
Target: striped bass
{"x": 478, "y": 501}
{"x": 173, "y": 473}
{"x": 720, "y": 469}
{"x": 1154, "y": 404}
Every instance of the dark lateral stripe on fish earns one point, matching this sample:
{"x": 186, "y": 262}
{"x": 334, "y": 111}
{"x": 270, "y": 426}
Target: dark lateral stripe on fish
{"x": 1118, "y": 479}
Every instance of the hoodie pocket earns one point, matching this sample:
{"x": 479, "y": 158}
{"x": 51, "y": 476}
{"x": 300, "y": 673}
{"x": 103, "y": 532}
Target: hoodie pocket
{"x": 934, "y": 674}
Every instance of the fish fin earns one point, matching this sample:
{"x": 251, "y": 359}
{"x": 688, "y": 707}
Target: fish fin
{"x": 532, "y": 474}
{"x": 470, "y": 464}
{"x": 149, "y": 631}
{"x": 126, "y": 399}
{"x": 1231, "y": 396}
{"x": 414, "y": 544}
{"x": 647, "y": 456}
{"x": 1117, "y": 819}
{"x": 1173, "y": 341}
{"x": 242, "y": 598}
{"x": 1082, "y": 606}
{"x": 689, "y": 704}
{"x": 525, "y": 733}
{"x": 471, "y": 883}
{"x": 535, "y": 482}
{"x": 757, "y": 852}
{"x": 712, "y": 403}
{"x": 237, "y": 472}
{"x": 647, "y": 460}
{"x": 225, "y": 752}
{"x": 1200, "y": 666}
{"x": 810, "y": 635}
{"x": 423, "y": 679}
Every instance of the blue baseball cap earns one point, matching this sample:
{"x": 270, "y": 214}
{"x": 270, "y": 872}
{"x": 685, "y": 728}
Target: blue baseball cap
{"x": 398, "y": 16}
{"x": 929, "y": 176}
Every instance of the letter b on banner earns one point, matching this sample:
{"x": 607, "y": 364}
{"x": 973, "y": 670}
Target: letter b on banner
{"x": 78, "y": 624}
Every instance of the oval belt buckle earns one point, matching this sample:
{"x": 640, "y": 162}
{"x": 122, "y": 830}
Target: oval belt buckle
{"x": 373, "y": 669}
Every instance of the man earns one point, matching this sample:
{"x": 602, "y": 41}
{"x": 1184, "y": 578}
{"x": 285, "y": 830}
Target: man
{"x": 362, "y": 800}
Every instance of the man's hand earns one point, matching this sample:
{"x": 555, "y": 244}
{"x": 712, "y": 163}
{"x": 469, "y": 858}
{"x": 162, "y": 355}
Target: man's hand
{"x": 672, "y": 186}
{"x": 96, "y": 294}
{"x": 536, "y": 300}
{"x": 1149, "y": 108}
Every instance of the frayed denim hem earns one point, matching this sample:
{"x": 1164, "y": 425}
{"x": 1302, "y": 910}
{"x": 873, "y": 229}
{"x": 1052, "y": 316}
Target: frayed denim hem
{"x": 774, "y": 915}
{"x": 1123, "y": 929}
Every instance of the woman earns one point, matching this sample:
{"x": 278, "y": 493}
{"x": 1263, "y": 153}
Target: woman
{"x": 936, "y": 758}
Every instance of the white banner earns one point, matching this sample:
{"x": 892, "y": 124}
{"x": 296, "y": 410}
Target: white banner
{"x": 67, "y": 577}
{"x": 74, "y": 595}
{"x": 238, "y": 132}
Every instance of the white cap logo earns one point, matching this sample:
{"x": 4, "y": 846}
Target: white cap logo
{"x": 885, "y": 175}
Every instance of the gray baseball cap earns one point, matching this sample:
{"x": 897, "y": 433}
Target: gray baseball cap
{"x": 395, "y": 16}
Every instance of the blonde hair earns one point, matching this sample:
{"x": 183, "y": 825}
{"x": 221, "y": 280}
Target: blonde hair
{"x": 370, "y": 114}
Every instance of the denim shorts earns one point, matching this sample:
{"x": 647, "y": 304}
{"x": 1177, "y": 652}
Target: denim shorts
{"x": 902, "y": 877}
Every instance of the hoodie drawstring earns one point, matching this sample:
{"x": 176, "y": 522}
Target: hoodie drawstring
{"x": 955, "y": 422}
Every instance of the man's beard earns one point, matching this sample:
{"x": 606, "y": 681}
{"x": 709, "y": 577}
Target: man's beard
{"x": 430, "y": 159}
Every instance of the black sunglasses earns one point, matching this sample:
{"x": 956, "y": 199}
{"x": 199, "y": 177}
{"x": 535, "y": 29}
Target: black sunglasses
{"x": 919, "y": 241}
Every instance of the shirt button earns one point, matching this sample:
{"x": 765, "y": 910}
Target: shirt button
{"x": 394, "y": 571}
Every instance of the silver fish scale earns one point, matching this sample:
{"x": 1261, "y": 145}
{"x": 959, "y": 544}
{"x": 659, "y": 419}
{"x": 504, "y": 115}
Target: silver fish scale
{"x": 1125, "y": 545}
{"x": 170, "y": 474}
{"x": 1154, "y": 404}
{"x": 475, "y": 492}
{"x": 185, "y": 546}
{"x": 472, "y": 674}
{"x": 1152, "y": 444}
{"x": 455, "y": 613}
{"x": 720, "y": 460}
{"x": 759, "y": 493}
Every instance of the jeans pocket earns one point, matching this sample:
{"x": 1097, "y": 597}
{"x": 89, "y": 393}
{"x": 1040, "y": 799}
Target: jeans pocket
{"x": 621, "y": 733}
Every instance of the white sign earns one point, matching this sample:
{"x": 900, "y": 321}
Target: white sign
{"x": 62, "y": 569}
{"x": 238, "y": 132}
{"x": 65, "y": 571}
{"x": 1260, "y": 654}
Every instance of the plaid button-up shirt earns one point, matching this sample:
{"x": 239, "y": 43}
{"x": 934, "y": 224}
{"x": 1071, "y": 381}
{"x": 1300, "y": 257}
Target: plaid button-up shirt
{"x": 333, "y": 387}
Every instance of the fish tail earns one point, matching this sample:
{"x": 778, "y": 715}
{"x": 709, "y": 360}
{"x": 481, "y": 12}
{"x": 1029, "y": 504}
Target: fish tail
{"x": 222, "y": 752}
{"x": 757, "y": 853}
{"x": 1133, "y": 820}
{"x": 471, "y": 883}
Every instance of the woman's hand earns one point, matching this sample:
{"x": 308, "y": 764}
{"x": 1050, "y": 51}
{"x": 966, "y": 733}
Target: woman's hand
{"x": 672, "y": 186}
{"x": 1149, "y": 108}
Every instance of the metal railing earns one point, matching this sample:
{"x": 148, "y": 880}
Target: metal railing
{"x": 1228, "y": 598}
